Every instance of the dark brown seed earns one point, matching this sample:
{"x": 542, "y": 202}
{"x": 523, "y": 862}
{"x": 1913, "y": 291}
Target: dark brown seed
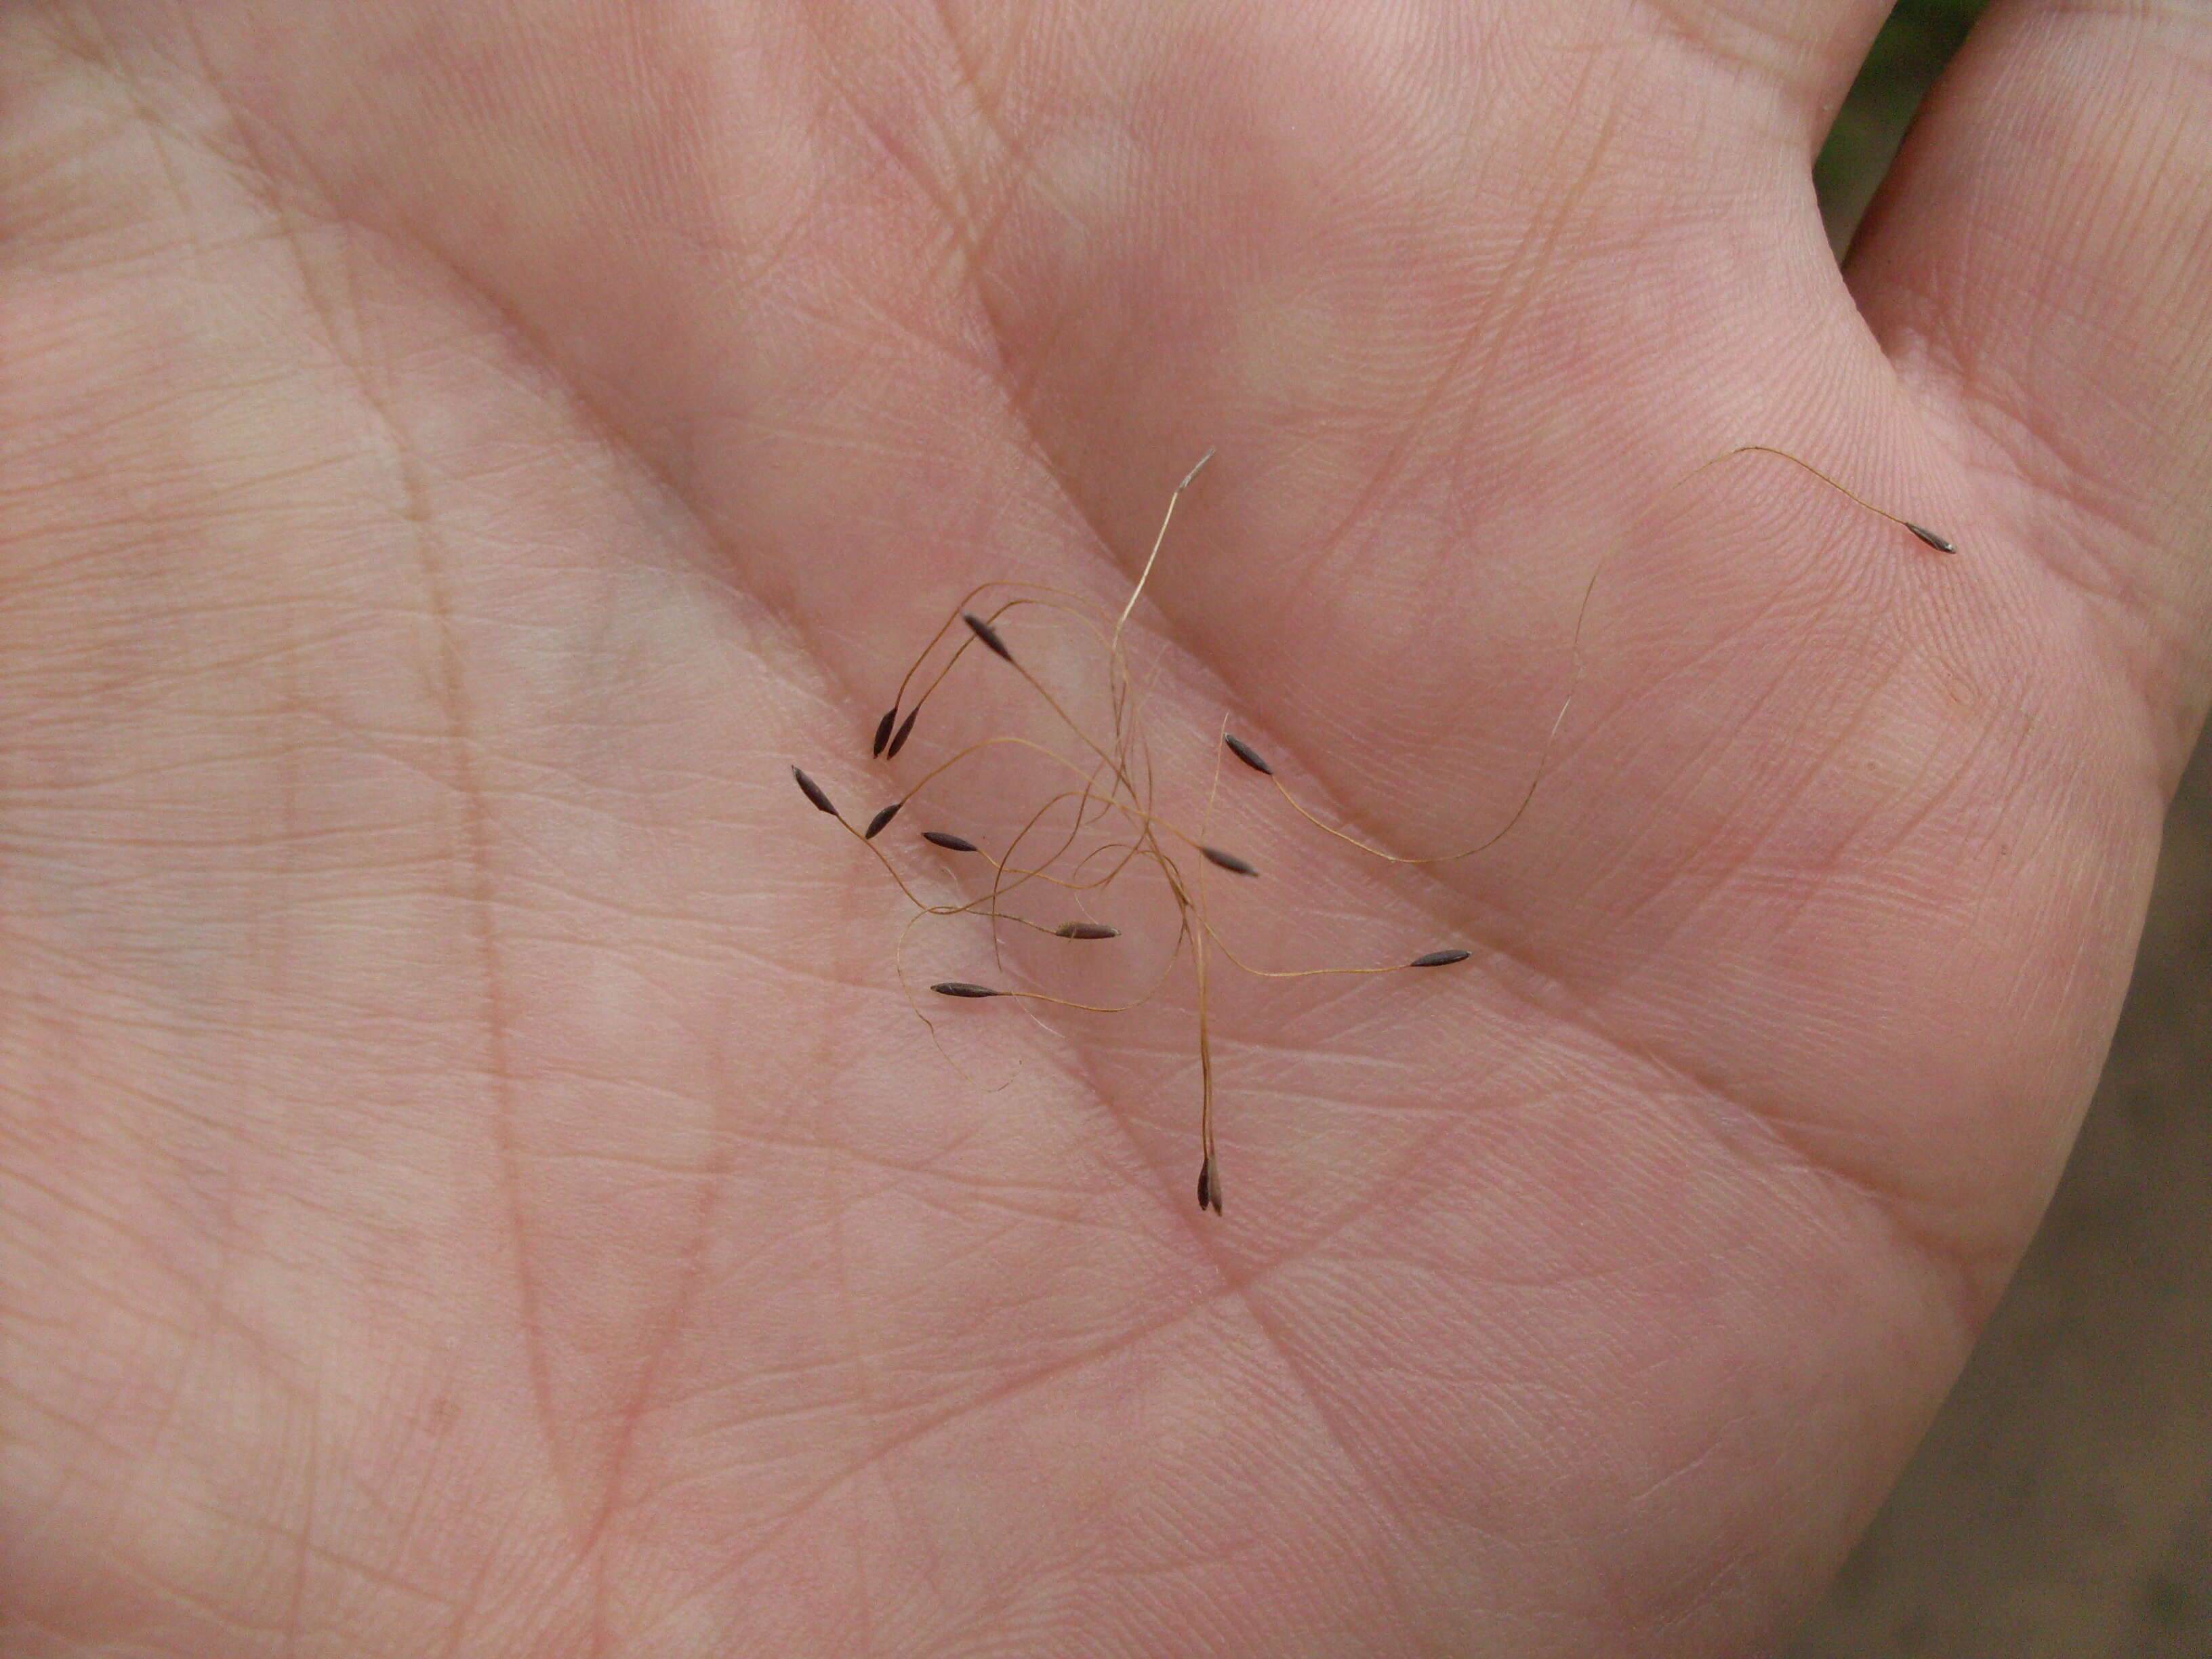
{"x": 1940, "y": 544}
{"x": 1209, "y": 1187}
{"x": 1229, "y": 861}
{"x": 1086, "y": 930}
{"x": 812, "y": 790}
{"x": 876, "y": 824}
{"x": 884, "y": 731}
{"x": 950, "y": 843}
{"x": 1439, "y": 958}
{"x": 905, "y": 731}
{"x": 1245, "y": 752}
{"x": 988, "y": 634}
{"x": 956, "y": 988}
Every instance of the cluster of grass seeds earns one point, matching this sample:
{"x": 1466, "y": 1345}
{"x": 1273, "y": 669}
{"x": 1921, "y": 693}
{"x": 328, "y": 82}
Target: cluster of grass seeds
{"x": 1095, "y": 824}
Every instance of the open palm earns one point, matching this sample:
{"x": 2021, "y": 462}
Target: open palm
{"x": 474, "y": 1183}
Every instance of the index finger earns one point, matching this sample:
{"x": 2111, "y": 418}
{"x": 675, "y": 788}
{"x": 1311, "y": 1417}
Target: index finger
{"x": 2040, "y": 262}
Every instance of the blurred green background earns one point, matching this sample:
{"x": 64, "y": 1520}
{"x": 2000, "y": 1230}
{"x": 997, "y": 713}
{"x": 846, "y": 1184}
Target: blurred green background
{"x": 1908, "y": 55}
{"x": 2060, "y": 1507}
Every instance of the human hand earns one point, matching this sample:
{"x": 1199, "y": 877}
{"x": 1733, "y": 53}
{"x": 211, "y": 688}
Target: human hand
{"x": 473, "y": 1182}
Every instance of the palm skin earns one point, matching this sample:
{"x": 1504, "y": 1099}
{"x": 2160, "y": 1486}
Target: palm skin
{"x": 473, "y": 1182}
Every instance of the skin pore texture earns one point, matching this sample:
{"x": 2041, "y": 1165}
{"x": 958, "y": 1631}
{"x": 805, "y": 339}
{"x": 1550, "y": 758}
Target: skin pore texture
{"x": 471, "y": 1180}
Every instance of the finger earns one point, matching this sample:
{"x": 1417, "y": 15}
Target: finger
{"x": 2041, "y": 263}
{"x": 1808, "y": 55}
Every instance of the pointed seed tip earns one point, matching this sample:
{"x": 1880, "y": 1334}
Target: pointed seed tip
{"x": 813, "y": 792}
{"x": 1245, "y": 752}
{"x": 951, "y": 843}
{"x": 986, "y": 632}
{"x": 876, "y": 824}
{"x": 1229, "y": 861}
{"x": 1439, "y": 958}
{"x": 1940, "y": 544}
{"x": 957, "y": 987}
